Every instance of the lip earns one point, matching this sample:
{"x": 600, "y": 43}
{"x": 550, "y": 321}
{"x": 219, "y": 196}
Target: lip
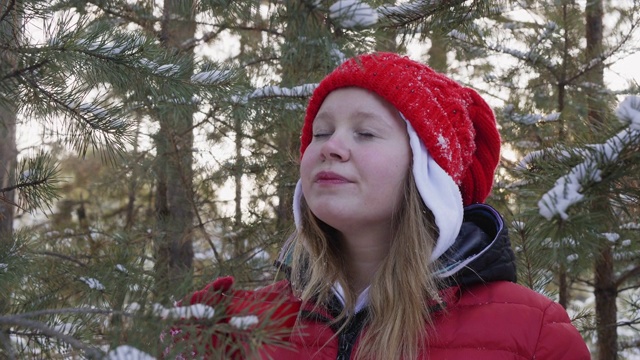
{"x": 328, "y": 177}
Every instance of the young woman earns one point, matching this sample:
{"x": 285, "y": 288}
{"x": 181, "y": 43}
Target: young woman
{"x": 395, "y": 256}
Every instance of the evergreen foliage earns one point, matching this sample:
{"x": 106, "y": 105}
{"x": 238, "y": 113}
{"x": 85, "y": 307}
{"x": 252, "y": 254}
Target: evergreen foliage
{"x": 573, "y": 187}
{"x": 139, "y": 103}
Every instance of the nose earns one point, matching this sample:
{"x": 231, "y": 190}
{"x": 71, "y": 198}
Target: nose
{"x": 335, "y": 148}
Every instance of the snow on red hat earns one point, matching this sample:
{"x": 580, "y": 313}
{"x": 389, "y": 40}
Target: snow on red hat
{"x": 456, "y": 125}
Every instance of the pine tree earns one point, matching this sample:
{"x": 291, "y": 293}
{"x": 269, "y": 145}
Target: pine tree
{"x": 570, "y": 200}
{"x": 87, "y": 80}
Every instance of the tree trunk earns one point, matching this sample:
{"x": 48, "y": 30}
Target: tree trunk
{"x": 438, "y": 52}
{"x": 606, "y": 294}
{"x": 8, "y": 160}
{"x": 563, "y": 288}
{"x": 605, "y": 287}
{"x": 238, "y": 171}
{"x": 133, "y": 183}
{"x": 239, "y": 247}
{"x": 10, "y": 28}
{"x": 174, "y": 192}
{"x": 595, "y": 76}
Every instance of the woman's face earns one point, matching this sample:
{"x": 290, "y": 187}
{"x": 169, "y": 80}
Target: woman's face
{"x": 354, "y": 169}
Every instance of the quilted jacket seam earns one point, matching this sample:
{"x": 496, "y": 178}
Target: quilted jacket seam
{"x": 482, "y": 348}
{"x": 542, "y": 324}
{"x": 542, "y": 310}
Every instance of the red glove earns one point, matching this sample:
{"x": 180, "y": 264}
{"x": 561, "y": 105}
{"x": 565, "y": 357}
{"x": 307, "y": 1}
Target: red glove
{"x": 241, "y": 317}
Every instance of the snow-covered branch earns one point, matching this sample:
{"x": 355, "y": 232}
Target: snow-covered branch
{"x": 568, "y": 189}
{"x": 353, "y": 14}
{"x": 528, "y": 119}
{"x": 413, "y": 11}
{"x": 300, "y": 91}
{"x": 14, "y": 320}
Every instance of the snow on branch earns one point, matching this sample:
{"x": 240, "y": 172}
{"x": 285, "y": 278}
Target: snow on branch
{"x": 210, "y": 77}
{"x": 111, "y": 47}
{"x": 528, "y": 119}
{"x": 412, "y": 11}
{"x": 530, "y": 56}
{"x": 18, "y": 321}
{"x": 628, "y": 112}
{"x": 300, "y": 91}
{"x": 92, "y": 283}
{"x": 199, "y": 311}
{"x": 243, "y": 322}
{"x": 406, "y": 9}
{"x": 558, "y": 154}
{"x": 630, "y": 226}
{"x": 568, "y": 189}
{"x": 126, "y": 352}
{"x": 353, "y": 14}
{"x": 97, "y": 117}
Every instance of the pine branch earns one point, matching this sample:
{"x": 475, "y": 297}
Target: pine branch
{"x": 192, "y": 43}
{"x": 571, "y": 187}
{"x": 632, "y": 344}
{"x": 406, "y": 14}
{"x": 629, "y": 323}
{"x": 604, "y": 56}
{"x": 90, "y": 352}
{"x": 50, "y": 96}
{"x": 19, "y": 72}
{"x": 78, "y": 310}
{"x": 24, "y": 185}
{"x": 7, "y": 201}
{"x": 260, "y": 60}
{"x": 527, "y": 58}
{"x": 626, "y": 276}
{"x": 146, "y": 23}
{"x": 7, "y": 345}
{"x": 527, "y": 259}
{"x": 10, "y": 8}
{"x": 62, "y": 256}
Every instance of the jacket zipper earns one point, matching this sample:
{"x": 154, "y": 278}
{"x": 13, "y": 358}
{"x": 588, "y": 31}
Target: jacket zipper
{"x": 349, "y": 334}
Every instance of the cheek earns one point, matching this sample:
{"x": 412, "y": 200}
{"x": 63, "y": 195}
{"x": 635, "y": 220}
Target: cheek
{"x": 391, "y": 174}
{"x": 390, "y": 165}
{"x": 306, "y": 167}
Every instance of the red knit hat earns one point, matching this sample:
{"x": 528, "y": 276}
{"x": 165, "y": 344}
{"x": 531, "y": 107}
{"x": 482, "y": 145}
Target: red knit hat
{"x": 456, "y": 125}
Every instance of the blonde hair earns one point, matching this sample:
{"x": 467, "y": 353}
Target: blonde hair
{"x": 398, "y": 317}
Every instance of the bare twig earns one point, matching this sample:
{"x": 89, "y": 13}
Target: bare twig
{"x": 81, "y": 310}
{"x": 62, "y": 256}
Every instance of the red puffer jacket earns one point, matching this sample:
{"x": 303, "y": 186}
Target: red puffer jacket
{"x": 493, "y": 321}
{"x": 485, "y": 314}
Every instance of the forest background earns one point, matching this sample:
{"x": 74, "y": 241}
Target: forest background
{"x": 148, "y": 147}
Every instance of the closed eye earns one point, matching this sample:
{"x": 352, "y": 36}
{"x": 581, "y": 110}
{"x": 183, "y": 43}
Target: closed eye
{"x": 365, "y": 134}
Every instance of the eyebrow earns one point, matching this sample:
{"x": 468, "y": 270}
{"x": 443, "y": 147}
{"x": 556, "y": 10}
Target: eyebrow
{"x": 358, "y": 115}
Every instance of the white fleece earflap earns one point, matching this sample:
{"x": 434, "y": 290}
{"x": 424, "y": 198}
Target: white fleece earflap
{"x": 439, "y": 193}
